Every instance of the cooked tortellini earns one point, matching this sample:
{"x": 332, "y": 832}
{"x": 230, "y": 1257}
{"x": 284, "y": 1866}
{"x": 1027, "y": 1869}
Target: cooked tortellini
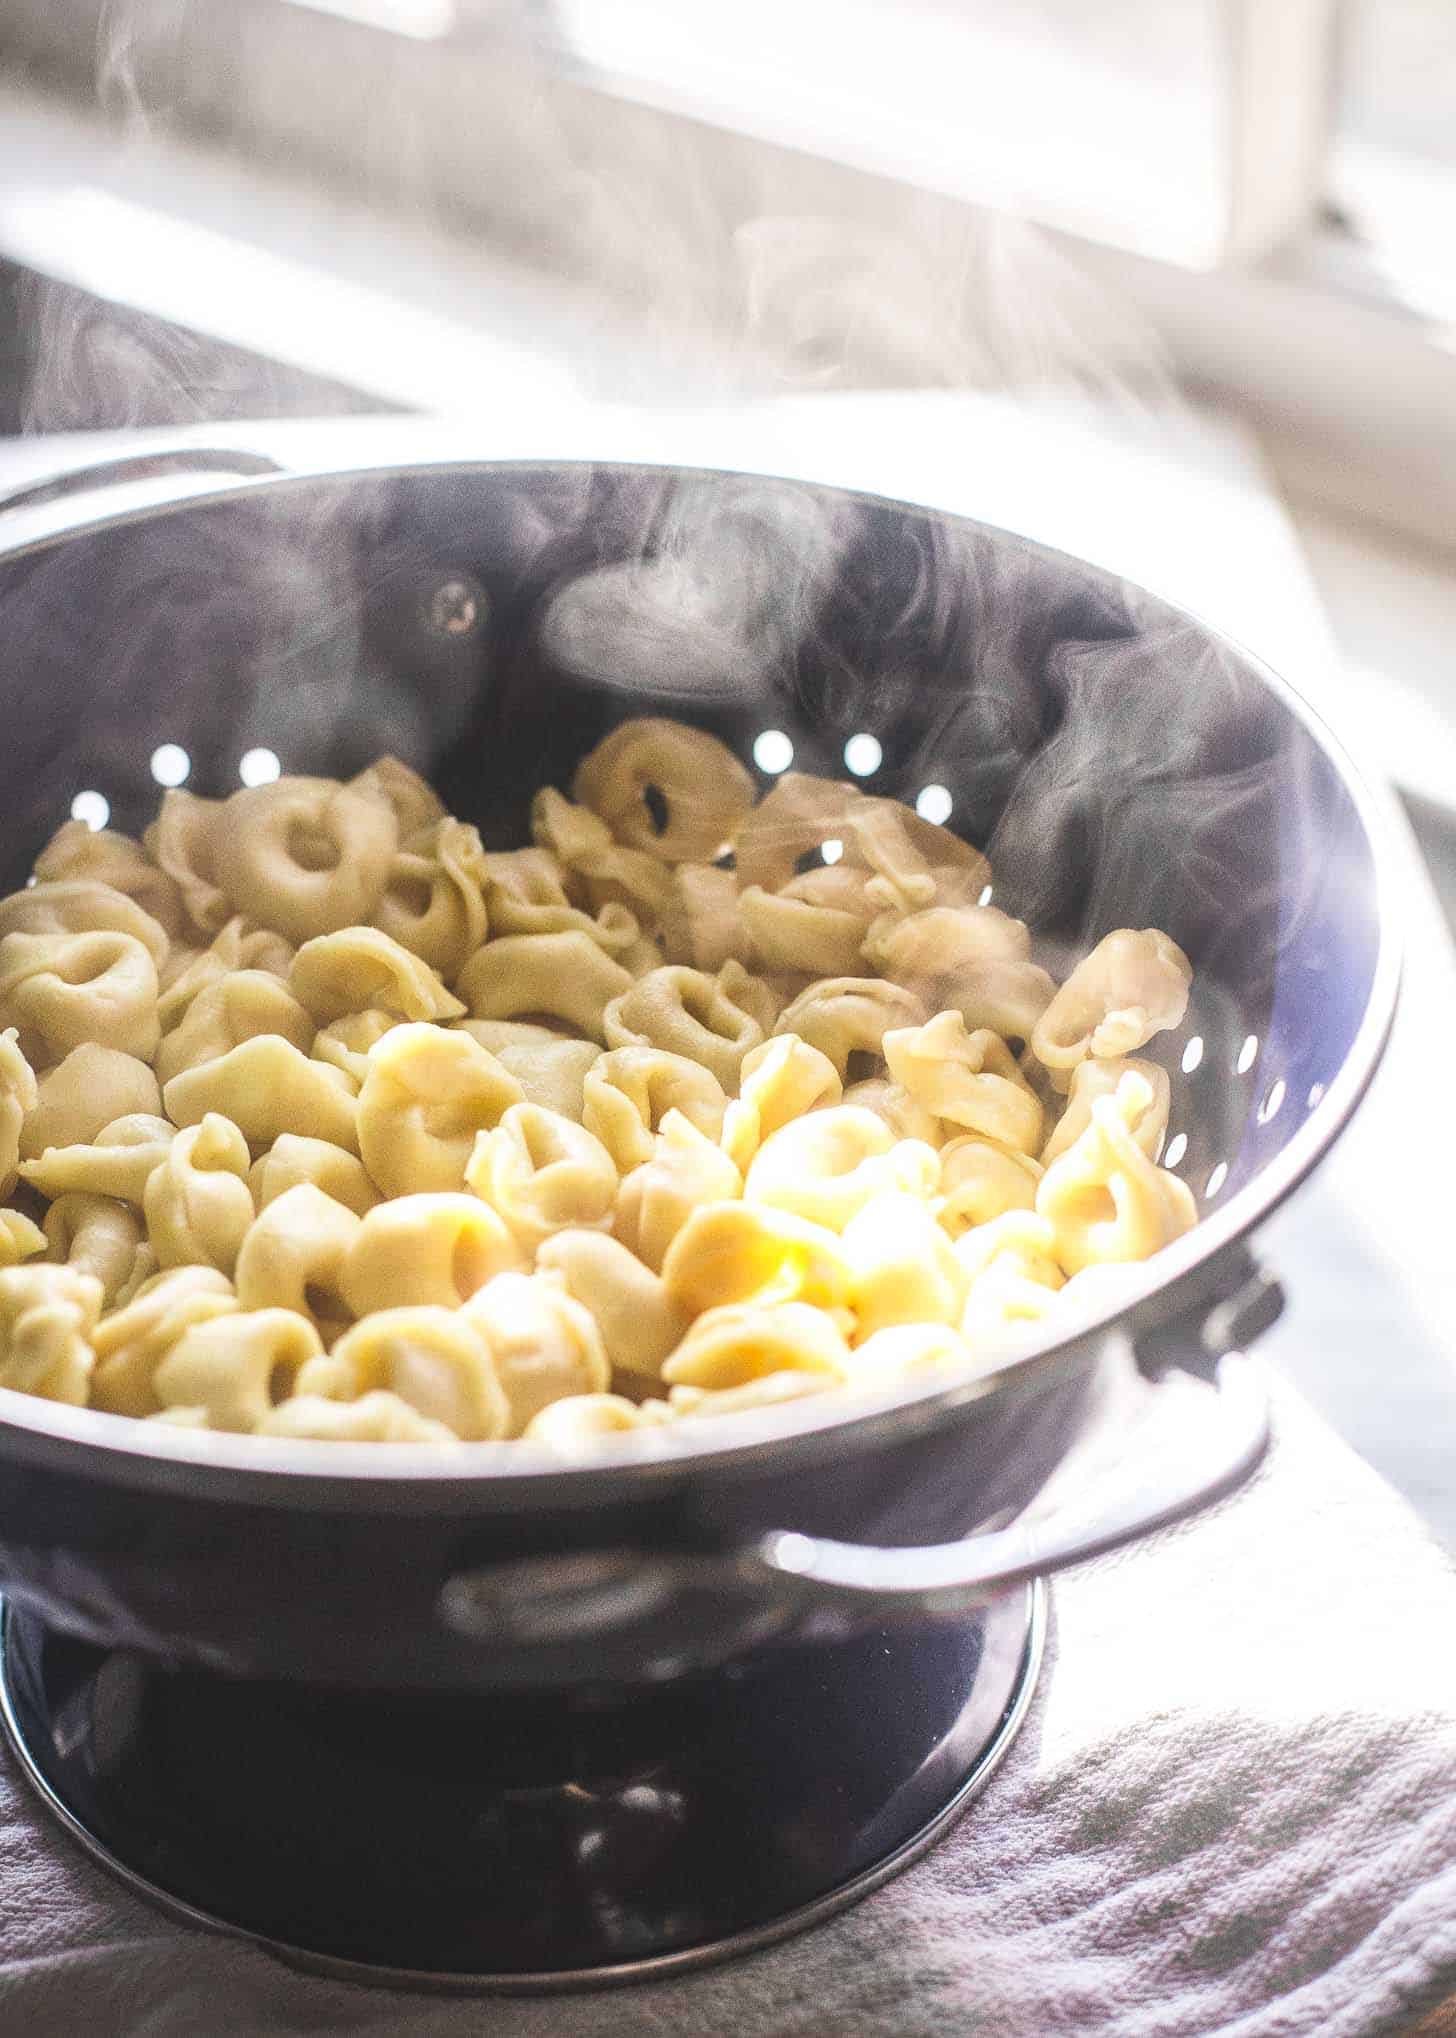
{"x": 326, "y": 1123}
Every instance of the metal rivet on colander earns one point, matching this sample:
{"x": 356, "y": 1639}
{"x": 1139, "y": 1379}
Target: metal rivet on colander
{"x": 456, "y": 607}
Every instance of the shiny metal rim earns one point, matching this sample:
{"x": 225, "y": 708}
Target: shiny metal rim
{"x": 658, "y": 1966}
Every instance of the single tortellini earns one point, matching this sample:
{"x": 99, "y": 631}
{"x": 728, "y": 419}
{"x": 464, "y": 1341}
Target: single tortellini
{"x": 1095, "y": 1078}
{"x": 980, "y": 1179}
{"x": 909, "y": 1351}
{"x": 657, "y": 1198}
{"x": 436, "y": 1248}
{"x": 433, "y": 901}
{"x": 905, "y": 1115}
{"x": 639, "y": 1321}
{"x": 415, "y": 803}
{"x": 827, "y": 1166}
{"x": 1134, "y": 984}
{"x": 98, "y": 1236}
{"x": 19, "y": 1096}
{"x": 664, "y": 787}
{"x": 1014, "y": 1277}
{"x": 1103, "y": 1197}
{"x": 240, "y": 945}
{"x": 77, "y": 852}
{"x": 428, "y": 1094}
{"x": 118, "y": 1162}
{"x": 198, "y": 1205}
{"x": 294, "y": 1258}
{"x": 617, "y": 881}
{"x": 543, "y": 1173}
{"x": 379, "y": 1418}
{"x": 294, "y": 1158}
{"x": 83, "y": 906}
{"x": 305, "y": 855}
{"x": 47, "y": 1317}
{"x": 781, "y": 1079}
{"x": 700, "y": 920}
{"x": 348, "y": 1043}
{"x": 789, "y": 932}
{"x": 687, "y": 1013}
{"x": 436, "y": 1360}
{"x": 903, "y": 1265}
{"x": 236, "y": 1368}
{"x": 181, "y": 842}
{"x": 267, "y": 1087}
{"x": 578, "y": 1420}
{"x": 974, "y": 959}
{"x": 62, "y": 989}
{"x": 551, "y": 1068}
{"x": 846, "y": 1016}
{"x": 630, "y": 1090}
{"x": 795, "y": 818}
{"x": 969, "y": 1079}
{"x": 526, "y": 893}
{"x": 561, "y": 976}
{"x": 132, "y": 1342}
{"x": 545, "y": 1345}
{"x": 222, "y": 1016}
{"x": 740, "y": 1342}
{"x": 750, "y": 1252}
{"x": 360, "y": 969}
{"x": 91, "y": 1088}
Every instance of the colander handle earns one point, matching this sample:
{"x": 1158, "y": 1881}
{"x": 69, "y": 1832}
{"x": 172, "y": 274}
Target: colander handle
{"x": 945, "y": 1577}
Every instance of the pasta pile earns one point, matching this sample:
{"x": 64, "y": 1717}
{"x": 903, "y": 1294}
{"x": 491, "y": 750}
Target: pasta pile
{"x": 328, "y": 1123}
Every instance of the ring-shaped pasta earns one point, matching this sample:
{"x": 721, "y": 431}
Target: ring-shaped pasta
{"x": 780, "y": 1079}
{"x": 686, "y": 1170}
{"x": 63, "y": 989}
{"x": 789, "y": 933}
{"x": 550, "y": 1068}
{"x": 132, "y": 1342}
{"x": 664, "y": 787}
{"x": 545, "y": 1346}
{"x": 903, "y": 1267}
{"x": 967, "y": 1079}
{"x": 90, "y": 1089}
{"x": 83, "y": 906}
{"x": 980, "y": 1180}
{"x": 361, "y": 969}
{"x": 1134, "y": 984}
{"x": 433, "y": 903}
{"x": 750, "y": 1252}
{"x": 741, "y": 1342}
{"x": 47, "y": 1317}
{"x": 630, "y": 1090}
{"x": 348, "y": 1043}
{"x": 415, "y": 803}
{"x": 1097, "y": 1077}
{"x": 436, "y": 1248}
{"x": 689, "y": 1014}
{"x": 543, "y": 1173}
{"x": 436, "y": 1360}
{"x": 847, "y": 1016}
{"x": 1104, "y": 1198}
{"x": 294, "y": 1257}
{"x": 294, "y": 1158}
{"x": 305, "y": 856}
{"x": 827, "y": 1166}
{"x": 266, "y": 1087}
{"x": 78, "y": 851}
{"x": 222, "y": 1016}
{"x": 639, "y": 1321}
{"x": 198, "y": 1205}
{"x": 235, "y": 1369}
{"x": 563, "y": 976}
{"x": 428, "y": 1094}
{"x": 181, "y": 842}
{"x": 576, "y": 1421}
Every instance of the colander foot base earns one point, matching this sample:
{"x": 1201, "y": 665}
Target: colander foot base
{"x": 522, "y": 1843}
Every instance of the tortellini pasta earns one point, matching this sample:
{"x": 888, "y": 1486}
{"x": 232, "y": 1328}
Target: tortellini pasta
{"x": 329, "y": 1124}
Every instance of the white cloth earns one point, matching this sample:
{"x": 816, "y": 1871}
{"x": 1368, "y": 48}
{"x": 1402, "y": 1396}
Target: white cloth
{"x": 1232, "y": 1810}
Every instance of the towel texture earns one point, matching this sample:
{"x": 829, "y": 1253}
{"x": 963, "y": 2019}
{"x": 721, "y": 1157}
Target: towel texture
{"x": 1232, "y": 1810}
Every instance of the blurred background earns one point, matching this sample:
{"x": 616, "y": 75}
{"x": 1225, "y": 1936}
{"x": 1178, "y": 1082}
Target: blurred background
{"x": 1212, "y": 224}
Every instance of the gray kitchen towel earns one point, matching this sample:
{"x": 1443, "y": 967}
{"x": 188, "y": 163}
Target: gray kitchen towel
{"x": 1232, "y": 1810}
